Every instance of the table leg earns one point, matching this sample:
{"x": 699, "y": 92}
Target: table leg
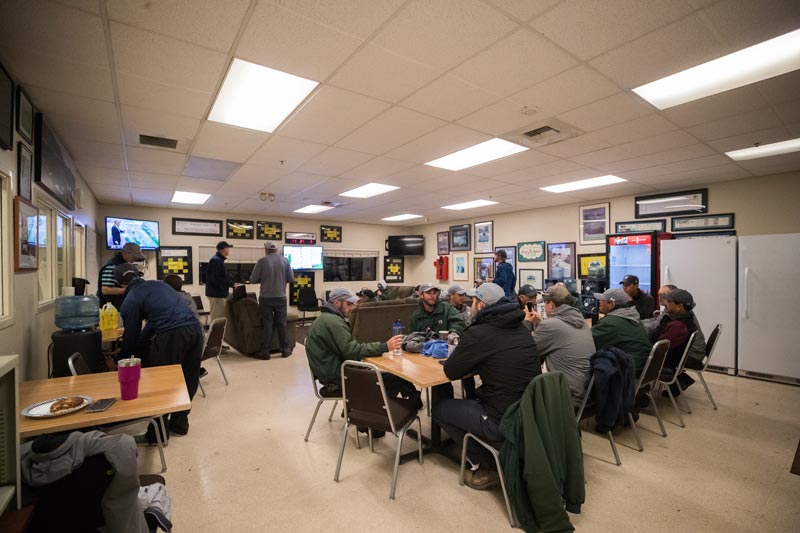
{"x": 434, "y": 443}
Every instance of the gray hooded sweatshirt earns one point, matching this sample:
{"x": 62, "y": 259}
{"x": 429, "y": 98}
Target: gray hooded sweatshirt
{"x": 565, "y": 342}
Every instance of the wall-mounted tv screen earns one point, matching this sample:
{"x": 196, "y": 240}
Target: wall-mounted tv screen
{"x": 120, "y": 231}
{"x": 303, "y": 257}
{"x": 406, "y": 245}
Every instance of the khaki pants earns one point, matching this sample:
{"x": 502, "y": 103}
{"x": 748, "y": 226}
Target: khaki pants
{"x": 216, "y": 308}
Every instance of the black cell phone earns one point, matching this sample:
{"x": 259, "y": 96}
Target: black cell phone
{"x": 101, "y": 405}
{"x": 529, "y": 305}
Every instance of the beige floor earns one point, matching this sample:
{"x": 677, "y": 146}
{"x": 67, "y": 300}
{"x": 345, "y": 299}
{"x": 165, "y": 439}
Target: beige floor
{"x": 244, "y": 466}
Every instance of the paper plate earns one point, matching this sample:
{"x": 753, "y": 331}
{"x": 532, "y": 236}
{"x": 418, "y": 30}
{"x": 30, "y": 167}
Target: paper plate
{"x": 42, "y": 409}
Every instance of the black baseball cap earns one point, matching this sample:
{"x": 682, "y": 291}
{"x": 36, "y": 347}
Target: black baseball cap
{"x": 528, "y": 290}
{"x": 680, "y": 296}
{"x": 221, "y": 245}
{"x": 630, "y": 279}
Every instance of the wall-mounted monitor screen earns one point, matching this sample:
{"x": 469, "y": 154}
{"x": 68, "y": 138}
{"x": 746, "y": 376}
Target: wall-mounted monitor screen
{"x": 120, "y": 231}
{"x": 303, "y": 257}
{"x": 406, "y": 245}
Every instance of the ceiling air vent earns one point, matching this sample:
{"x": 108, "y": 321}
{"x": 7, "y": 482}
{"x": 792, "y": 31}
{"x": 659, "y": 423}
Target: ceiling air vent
{"x": 540, "y": 131}
{"x": 161, "y": 142}
{"x": 332, "y": 204}
{"x": 546, "y": 131}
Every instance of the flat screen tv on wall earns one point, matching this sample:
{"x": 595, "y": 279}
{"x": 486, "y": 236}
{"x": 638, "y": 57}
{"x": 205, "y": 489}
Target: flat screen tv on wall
{"x": 120, "y": 231}
{"x": 406, "y": 245}
{"x": 53, "y": 164}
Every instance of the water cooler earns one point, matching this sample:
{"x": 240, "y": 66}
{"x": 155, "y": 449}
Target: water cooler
{"x": 78, "y": 318}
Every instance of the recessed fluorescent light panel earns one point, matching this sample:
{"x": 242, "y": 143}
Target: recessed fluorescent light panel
{"x": 478, "y": 154}
{"x": 469, "y": 205}
{"x": 758, "y": 62}
{"x": 398, "y": 218}
{"x": 312, "y": 209}
{"x": 183, "y": 197}
{"x": 583, "y": 184}
{"x": 257, "y": 97}
{"x": 783, "y": 147}
{"x": 369, "y": 190}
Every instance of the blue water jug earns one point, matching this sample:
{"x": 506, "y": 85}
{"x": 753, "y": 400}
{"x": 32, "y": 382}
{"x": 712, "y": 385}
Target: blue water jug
{"x": 77, "y": 312}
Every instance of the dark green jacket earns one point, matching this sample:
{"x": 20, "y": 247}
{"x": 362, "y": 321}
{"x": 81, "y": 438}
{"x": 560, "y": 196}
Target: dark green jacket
{"x": 622, "y": 329}
{"x": 330, "y": 342}
{"x": 443, "y": 317}
{"x": 387, "y": 294}
{"x": 542, "y": 457}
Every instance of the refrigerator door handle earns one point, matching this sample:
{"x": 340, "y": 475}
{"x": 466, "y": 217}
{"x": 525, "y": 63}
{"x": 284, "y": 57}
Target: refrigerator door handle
{"x": 746, "y": 302}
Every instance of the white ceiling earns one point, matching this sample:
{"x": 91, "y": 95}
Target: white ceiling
{"x": 401, "y": 82}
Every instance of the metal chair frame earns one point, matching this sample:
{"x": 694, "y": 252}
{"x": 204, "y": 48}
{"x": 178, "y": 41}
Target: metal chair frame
{"x": 320, "y": 400}
{"x": 398, "y": 432}
{"x": 512, "y": 517}
{"x": 610, "y": 433}
{"x": 675, "y": 381}
{"x": 710, "y": 346}
{"x": 302, "y": 307}
{"x": 660, "y": 345}
{"x": 210, "y": 355}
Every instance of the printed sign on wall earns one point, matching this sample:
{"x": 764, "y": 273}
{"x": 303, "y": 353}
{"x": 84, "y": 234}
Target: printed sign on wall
{"x": 239, "y": 229}
{"x": 271, "y": 231}
{"x": 175, "y": 260}
{"x": 303, "y": 279}
{"x": 393, "y": 269}
{"x": 330, "y": 233}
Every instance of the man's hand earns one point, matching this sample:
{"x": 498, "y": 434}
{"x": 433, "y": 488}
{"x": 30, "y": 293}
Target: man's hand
{"x": 533, "y": 317}
{"x": 395, "y": 343}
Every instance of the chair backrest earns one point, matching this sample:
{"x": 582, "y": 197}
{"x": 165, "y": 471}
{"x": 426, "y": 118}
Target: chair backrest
{"x": 654, "y": 364}
{"x": 77, "y": 365}
{"x": 365, "y": 400}
{"x": 711, "y": 343}
{"x": 682, "y": 362}
{"x": 307, "y": 299}
{"x": 198, "y": 301}
{"x": 216, "y": 333}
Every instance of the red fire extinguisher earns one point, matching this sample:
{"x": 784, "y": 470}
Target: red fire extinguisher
{"x": 441, "y": 264}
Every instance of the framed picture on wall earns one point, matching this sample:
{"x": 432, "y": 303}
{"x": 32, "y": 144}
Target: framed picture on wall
{"x": 175, "y": 260}
{"x": 330, "y": 233}
{"x": 593, "y": 223}
{"x": 634, "y": 226}
{"x": 26, "y": 238}
{"x": 484, "y": 237}
{"x": 24, "y": 116}
{"x": 239, "y": 229}
{"x": 393, "y": 269}
{"x": 460, "y": 266}
{"x": 531, "y": 276}
{"x": 460, "y": 238}
{"x": 484, "y": 268}
{"x": 6, "y": 110}
{"x": 511, "y": 255}
{"x": 699, "y": 222}
{"x": 196, "y": 226}
{"x": 531, "y": 251}
{"x": 24, "y": 170}
{"x": 442, "y": 243}
{"x": 592, "y": 266}
{"x": 561, "y": 260}
{"x": 671, "y": 204}
{"x": 270, "y": 231}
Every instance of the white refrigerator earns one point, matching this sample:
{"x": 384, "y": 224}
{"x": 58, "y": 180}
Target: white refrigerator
{"x": 769, "y": 313}
{"x": 706, "y": 267}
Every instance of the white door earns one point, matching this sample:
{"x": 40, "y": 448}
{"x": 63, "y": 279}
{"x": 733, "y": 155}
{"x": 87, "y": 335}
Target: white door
{"x": 769, "y": 313}
{"x": 706, "y": 267}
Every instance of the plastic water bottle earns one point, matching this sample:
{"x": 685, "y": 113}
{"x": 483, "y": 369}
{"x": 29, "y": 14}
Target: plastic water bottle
{"x": 397, "y": 329}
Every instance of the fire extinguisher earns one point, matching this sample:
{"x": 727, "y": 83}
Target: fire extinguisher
{"x": 441, "y": 264}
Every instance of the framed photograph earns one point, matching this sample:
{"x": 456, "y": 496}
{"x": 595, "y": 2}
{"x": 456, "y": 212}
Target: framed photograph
{"x": 196, "y": 226}
{"x": 531, "y": 276}
{"x": 26, "y": 238}
{"x": 6, "y": 110}
{"x": 511, "y": 255}
{"x": 700, "y": 222}
{"x": 24, "y": 170}
{"x": 330, "y": 234}
{"x": 670, "y": 204}
{"x": 442, "y": 243}
{"x": 592, "y": 266}
{"x": 634, "y": 226}
{"x": 270, "y": 231}
{"x": 24, "y": 116}
{"x": 393, "y": 269}
{"x": 175, "y": 260}
{"x": 593, "y": 223}
{"x": 484, "y": 268}
{"x": 299, "y": 237}
{"x": 702, "y": 234}
{"x": 53, "y": 168}
{"x": 531, "y": 251}
{"x": 460, "y": 266}
{"x": 460, "y": 238}
{"x": 561, "y": 260}
{"x": 239, "y": 229}
{"x": 484, "y": 237}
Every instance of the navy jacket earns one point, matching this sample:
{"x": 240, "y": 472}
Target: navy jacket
{"x": 505, "y": 277}
{"x": 614, "y": 386}
{"x": 217, "y": 279}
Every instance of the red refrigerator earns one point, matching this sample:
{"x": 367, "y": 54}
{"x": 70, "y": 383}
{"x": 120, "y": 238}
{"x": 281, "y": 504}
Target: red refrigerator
{"x": 637, "y": 254}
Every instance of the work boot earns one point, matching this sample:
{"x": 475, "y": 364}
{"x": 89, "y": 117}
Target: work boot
{"x": 481, "y": 479}
{"x": 286, "y": 353}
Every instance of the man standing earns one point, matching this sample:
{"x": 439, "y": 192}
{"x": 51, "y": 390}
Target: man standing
{"x": 458, "y": 299}
{"x": 504, "y": 273}
{"x": 108, "y": 290}
{"x": 435, "y": 314}
{"x": 643, "y": 301}
{"x": 499, "y": 348}
{"x": 218, "y": 282}
{"x": 175, "y": 330}
{"x": 273, "y": 273}
{"x": 621, "y": 327}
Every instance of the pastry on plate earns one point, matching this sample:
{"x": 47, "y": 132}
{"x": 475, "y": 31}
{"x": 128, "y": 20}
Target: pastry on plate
{"x": 66, "y": 403}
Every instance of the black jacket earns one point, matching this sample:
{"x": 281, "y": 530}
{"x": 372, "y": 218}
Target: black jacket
{"x": 217, "y": 279}
{"x": 614, "y": 386}
{"x": 644, "y": 304}
{"x": 499, "y": 348}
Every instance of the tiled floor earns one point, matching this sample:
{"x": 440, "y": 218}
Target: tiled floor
{"x": 245, "y": 467}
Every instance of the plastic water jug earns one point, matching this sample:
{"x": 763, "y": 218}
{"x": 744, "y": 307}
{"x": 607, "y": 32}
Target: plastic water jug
{"x": 77, "y": 312}
{"x": 109, "y": 317}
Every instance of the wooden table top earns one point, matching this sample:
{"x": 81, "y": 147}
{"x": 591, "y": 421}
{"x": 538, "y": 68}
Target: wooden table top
{"x": 422, "y": 371}
{"x": 111, "y": 335}
{"x": 162, "y": 390}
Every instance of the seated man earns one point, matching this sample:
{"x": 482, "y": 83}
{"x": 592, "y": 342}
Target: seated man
{"x": 644, "y": 302}
{"x": 365, "y": 295}
{"x": 527, "y": 294}
{"x": 330, "y": 342}
{"x": 499, "y": 348}
{"x": 564, "y": 340}
{"x": 575, "y": 298}
{"x": 435, "y": 314}
{"x": 676, "y": 325}
{"x": 458, "y": 299}
{"x": 385, "y": 292}
{"x": 621, "y": 327}
{"x": 650, "y": 324}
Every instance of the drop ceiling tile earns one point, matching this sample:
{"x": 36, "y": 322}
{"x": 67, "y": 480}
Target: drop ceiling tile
{"x": 168, "y": 61}
{"x": 416, "y": 174}
{"x": 197, "y": 185}
{"x": 359, "y": 18}
{"x": 587, "y": 28}
{"x": 772, "y": 165}
{"x": 329, "y": 191}
{"x": 449, "y": 98}
{"x": 659, "y": 143}
{"x": 387, "y": 131}
{"x": 443, "y": 33}
{"x": 151, "y": 160}
{"x": 218, "y": 141}
{"x": 293, "y": 183}
{"x": 64, "y": 76}
{"x": 789, "y": 112}
{"x": 639, "y": 175}
{"x": 746, "y": 23}
{"x": 148, "y": 94}
{"x": 252, "y": 175}
{"x": 209, "y": 169}
{"x": 625, "y": 165}
{"x": 72, "y": 107}
{"x": 529, "y": 175}
{"x": 140, "y": 121}
{"x": 746, "y": 140}
{"x": 522, "y": 160}
{"x": 97, "y": 154}
{"x": 504, "y": 70}
{"x": 453, "y": 183}
{"x": 636, "y": 129}
{"x": 208, "y": 23}
{"x": 377, "y": 169}
{"x": 679, "y": 154}
{"x": 284, "y": 153}
{"x": 107, "y": 176}
{"x": 334, "y": 161}
{"x": 331, "y": 114}
{"x": 781, "y": 89}
{"x": 760, "y": 119}
{"x": 618, "y": 108}
{"x": 441, "y": 142}
{"x": 582, "y": 144}
{"x": 599, "y": 157}
{"x": 153, "y": 197}
{"x": 90, "y": 6}
{"x": 68, "y": 128}
{"x": 149, "y": 180}
{"x": 581, "y": 173}
{"x": 575, "y": 87}
{"x": 281, "y": 39}
{"x": 111, "y": 192}
{"x": 381, "y": 74}
{"x": 524, "y": 9}
{"x": 698, "y": 163}
{"x": 502, "y": 117}
{"x": 729, "y": 103}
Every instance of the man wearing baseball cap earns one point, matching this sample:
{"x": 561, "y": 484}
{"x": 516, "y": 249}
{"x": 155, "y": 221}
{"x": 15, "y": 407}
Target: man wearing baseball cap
{"x": 435, "y": 314}
{"x": 273, "y": 272}
{"x": 676, "y": 326}
{"x": 499, "y": 348}
{"x": 458, "y": 299}
{"x": 384, "y": 292}
{"x": 108, "y": 290}
{"x": 504, "y": 273}
{"x": 621, "y": 327}
{"x": 644, "y": 302}
{"x": 218, "y": 282}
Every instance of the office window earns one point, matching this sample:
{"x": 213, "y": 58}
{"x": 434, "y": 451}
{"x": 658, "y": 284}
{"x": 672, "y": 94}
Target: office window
{"x": 349, "y": 265}
{"x": 240, "y": 272}
{"x": 55, "y": 251}
{"x": 79, "y": 238}
{"x": 64, "y": 237}
{"x": 44, "y": 273}
{"x": 7, "y": 228}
